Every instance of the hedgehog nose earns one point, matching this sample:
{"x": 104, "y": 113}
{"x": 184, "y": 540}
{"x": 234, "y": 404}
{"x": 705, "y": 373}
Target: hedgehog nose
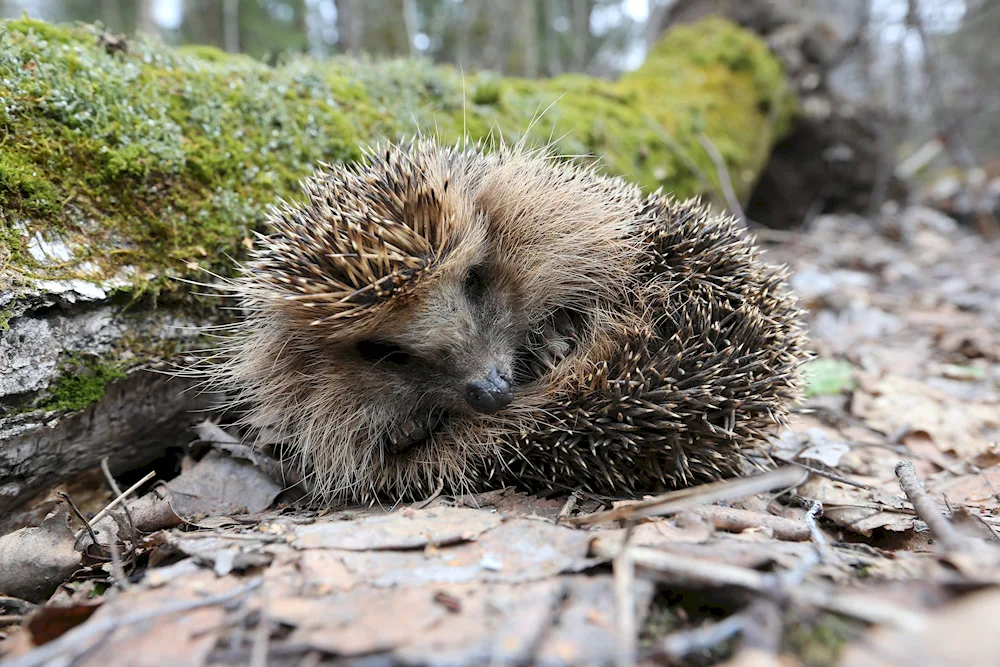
{"x": 490, "y": 394}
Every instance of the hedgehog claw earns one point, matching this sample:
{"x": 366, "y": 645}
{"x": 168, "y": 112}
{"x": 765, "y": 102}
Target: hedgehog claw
{"x": 407, "y": 434}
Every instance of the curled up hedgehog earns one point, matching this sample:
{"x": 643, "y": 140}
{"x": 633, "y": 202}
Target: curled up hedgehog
{"x": 447, "y": 315}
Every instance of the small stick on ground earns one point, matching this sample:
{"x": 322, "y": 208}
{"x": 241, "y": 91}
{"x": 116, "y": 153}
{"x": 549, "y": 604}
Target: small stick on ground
{"x": 130, "y": 524}
{"x": 570, "y": 505}
{"x": 823, "y": 473}
{"x": 705, "y": 494}
{"x": 698, "y": 571}
{"x": 817, "y": 534}
{"x": 431, "y": 498}
{"x": 680, "y": 644}
{"x": 623, "y": 572}
{"x": 261, "y": 642}
{"x": 79, "y": 515}
{"x": 113, "y": 504}
{"x": 928, "y": 510}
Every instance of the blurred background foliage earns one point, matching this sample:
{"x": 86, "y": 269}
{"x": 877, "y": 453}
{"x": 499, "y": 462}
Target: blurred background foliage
{"x": 933, "y": 66}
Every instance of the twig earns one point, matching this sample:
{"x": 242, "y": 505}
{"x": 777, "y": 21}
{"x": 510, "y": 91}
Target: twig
{"x": 128, "y": 516}
{"x": 681, "y": 154}
{"x": 823, "y": 473}
{"x": 705, "y": 494}
{"x": 727, "y": 184}
{"x": 570, "y": 505}
{"x": 862, "y": 607}
{"x": 427, "y": 501}
{"x": 680, "y": 644}
{"x": 117, "y": 571}
{"x": 623, "y": 573}
{"x": 114, "y": 503}
{"x": 928, "y": 510}
{"x": 261, "y": 642}
{"x": 70, "y": 642}
{"x": 79, "y": 515}
{"x": 817, "y": 534}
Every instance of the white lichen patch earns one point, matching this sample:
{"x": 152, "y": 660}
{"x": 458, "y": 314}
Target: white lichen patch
{"x": 49, "y": 251}
{"x": 73, "y": 290}
{"x": 30, "y": 349}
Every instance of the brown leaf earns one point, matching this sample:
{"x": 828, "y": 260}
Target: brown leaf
{"x": 36, "y": 560}
{"x": 518, "y": 550}
{"x": 48, "y": 622}
{"x": 359, "y": 621}
{"x": 905, "y": 403}
{"x": 218, "y": 485}
{"x": 960, "y": 633}
{"x": 407, "y": 529}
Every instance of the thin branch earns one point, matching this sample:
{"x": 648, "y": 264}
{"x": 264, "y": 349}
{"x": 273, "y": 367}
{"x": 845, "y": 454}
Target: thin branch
{"x": 928, "y": 510}
{"x": 114, "y": 503}
{"x": 705, "y": 494}
{"x": 732, "y": 201}
{"x": 623, "y": 573}
{"x": 677, "y": 646}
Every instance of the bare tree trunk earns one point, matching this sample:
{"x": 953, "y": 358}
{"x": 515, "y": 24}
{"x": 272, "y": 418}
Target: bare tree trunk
{"x": 948, "y": 124}
{"x": 231, "y": 25}
{"x": 527, "y": 38}
{"x": 111, "y": 15}
{"x": 144, "y": 22}
{"x": 410, "y": 22}
{"x": 580, "y": 11}
{"x": 351, "y": 25}
{"x": 553, "y": 53}
{"x": 498, "y": 38}
{"x": 437, "y": 28}
{"x": 658, "y": 11}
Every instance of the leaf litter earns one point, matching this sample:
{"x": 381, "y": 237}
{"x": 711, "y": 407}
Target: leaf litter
{"x": 843, "y": 555}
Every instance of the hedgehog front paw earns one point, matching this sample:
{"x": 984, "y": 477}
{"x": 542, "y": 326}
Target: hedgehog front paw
{"x": 407, "y": 434}
{"x": 558, "y": 338}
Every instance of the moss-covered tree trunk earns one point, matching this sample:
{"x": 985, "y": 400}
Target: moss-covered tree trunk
{"x": 123, "y": 171}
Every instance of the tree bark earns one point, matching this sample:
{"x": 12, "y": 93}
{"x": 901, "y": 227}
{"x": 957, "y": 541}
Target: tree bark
{"x": 580, "y": 13}
{"x": 144, "y": 21}
{"x": 231, "y": 25}
{"x": 527, "y": 39}
{"x": 351, "y": 25}
{"x": 553, "y": 50}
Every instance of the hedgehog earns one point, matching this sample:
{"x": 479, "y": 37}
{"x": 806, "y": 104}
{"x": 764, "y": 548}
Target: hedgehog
{"x": 453, "y": 317}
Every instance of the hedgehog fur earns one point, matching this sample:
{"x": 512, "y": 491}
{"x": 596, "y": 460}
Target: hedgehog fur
{"x": 438, "y": 315}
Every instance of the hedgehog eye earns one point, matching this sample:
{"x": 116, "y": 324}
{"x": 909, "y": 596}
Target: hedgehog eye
{"x": 475, "y": 282}
{"x": 377, "y": 351}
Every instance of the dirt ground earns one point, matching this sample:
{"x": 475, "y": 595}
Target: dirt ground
{"x": 846, "y": 554}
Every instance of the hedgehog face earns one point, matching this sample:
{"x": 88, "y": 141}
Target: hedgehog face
{"x": 454, "y": 352}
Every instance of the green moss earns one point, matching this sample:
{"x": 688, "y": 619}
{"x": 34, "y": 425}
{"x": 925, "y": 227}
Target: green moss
{"x": 817, "y": 642}
{"x": 83, "y": 381}
{"x": 163, "y": 159}
{"x": 23, "y": 190}
{"x": 41, "y": 29}
{"x": 6, "y": 314}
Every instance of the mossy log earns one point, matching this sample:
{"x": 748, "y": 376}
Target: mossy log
{"x": 122, "y": 171}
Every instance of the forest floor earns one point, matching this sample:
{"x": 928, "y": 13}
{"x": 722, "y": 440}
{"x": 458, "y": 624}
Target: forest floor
{"x": 863, "y": 562}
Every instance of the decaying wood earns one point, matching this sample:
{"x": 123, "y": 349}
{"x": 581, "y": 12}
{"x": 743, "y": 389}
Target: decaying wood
{"x": 138, "y": 419}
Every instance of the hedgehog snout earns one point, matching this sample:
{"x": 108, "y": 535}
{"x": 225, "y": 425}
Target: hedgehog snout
{"x": 491, "y": 393}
